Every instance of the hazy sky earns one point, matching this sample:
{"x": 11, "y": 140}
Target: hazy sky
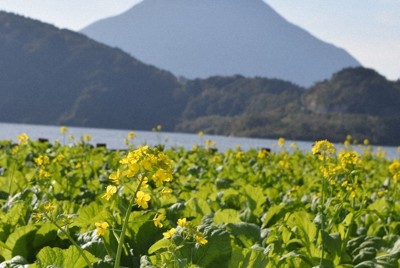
{"x": 367, "y": 29}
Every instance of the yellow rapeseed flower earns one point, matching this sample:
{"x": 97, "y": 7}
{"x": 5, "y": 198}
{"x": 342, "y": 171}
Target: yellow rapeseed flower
{"x": 49, "y": 207}
{"x": 168, "y": 234}
{"x": 131, "y": 135}
{"x": 200, "y": 239}
{"x": 44, "y": 173}
{"x": 23, "y": 139}
{"x": 142, "y": 198}
{"x": 324, "y": 149}
{"x": 158, "y": 220}
{"x": 394, "y": 169}
{"x": 87, "y": 137}
{"x": 63, "y": 129}
{"x": 161, "y": 176}
{"x": 200, "y": 134}
{"x": 115, "y": 177}
{"x": 182, "y": 222}
{"x": 281, "y": 142}
{"x": 110, "y": 191}
{"x": 101, "y": 228}
{"x": 348, "y": 159}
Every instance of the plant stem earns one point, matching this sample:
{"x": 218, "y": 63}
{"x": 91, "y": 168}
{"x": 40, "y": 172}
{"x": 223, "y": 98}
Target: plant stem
{"x": 81, "y": 252}
{"x": 125, "y": 225}
{"x": 322, "y": 221}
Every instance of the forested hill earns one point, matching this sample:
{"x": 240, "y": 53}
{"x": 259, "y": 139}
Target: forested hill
{"x": 54, "y": 76}
{"x": 356, "y": 101}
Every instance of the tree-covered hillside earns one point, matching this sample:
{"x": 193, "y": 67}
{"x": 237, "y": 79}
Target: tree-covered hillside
{"x": 54, "y": 76}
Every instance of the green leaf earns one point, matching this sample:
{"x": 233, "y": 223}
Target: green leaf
{"x": 226, "y": 216}
{"x": 256, "y": 198}
{"x": 50, "y": 256}
{"x": 20, "y": 243}
{"x": 247, "y": 234}
{"x": 143, "y": 232}
{"x": 16, "y": 262}
{"x": 248, "y": 258}
{"x": 306, "y": 228}
{"x": 274, "y": 213}
{"x": 160, "y": 244}
{"x": 46, "y": 234}
{"x": 89, "y": 215}
{"x": 196, "y": 208}
{"x": 66, "y": 258}
{"x": 217, "y": 252}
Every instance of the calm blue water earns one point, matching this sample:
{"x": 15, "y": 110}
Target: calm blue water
{"x": 114, "y": 139}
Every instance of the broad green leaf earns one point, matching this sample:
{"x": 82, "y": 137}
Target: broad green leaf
{"x": 50, "y": 256}
{"x": 217, "y": 252}
{"x": 274, "y": 213}
{"x": 301, "y": 220}
{"x": 143, "y": 232}
{"x": 160, "y": 244}
{"x": 196, "y": 208}
{"x": 20, "y": 243}
{"x": 89, "y": 215}
{"x": 226, "y": 216}
{"x": 256, "y": 198}
{"x": 248, "y": 258}
{"x": 46, "y": 234}
{"x": 66, "y": 258}
{"x": 247, "y": 234}
{"x": 15, "y": 262}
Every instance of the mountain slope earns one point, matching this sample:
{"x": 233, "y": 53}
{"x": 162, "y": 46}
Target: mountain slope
{"x": 202, "y": 38}
{"x": 53, "y": 76}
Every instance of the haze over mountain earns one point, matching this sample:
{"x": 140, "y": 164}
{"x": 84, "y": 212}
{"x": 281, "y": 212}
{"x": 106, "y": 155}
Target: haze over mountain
{"x": 202, "y": 38}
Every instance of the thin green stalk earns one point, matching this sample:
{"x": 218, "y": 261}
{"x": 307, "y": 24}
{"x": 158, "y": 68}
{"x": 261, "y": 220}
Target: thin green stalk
{"x": 322, "y": 221}
{"x": 125, "y": 225}
{"x": 81, "y": 252}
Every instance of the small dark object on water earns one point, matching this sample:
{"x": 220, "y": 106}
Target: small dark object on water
{"x": 43, "y": 140}
{"x": 101, "y": 145}
{"x": 268, "y": 150}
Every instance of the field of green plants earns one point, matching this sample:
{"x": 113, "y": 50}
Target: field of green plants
{"x": 69, "y": 204}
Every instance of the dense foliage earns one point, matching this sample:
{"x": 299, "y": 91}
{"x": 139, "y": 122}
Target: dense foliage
{"x": 80, "y": 206}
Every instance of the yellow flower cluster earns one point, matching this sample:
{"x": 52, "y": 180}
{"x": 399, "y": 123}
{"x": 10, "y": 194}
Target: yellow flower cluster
{"x": 324, "y": 149}
{"x": 63, "y": 129}
{"x": 142, "y": 199}
{"x": 348, "y": 159}
{"x": 186, "y": 228}
{"x": 23, "y": 139}
{"x": 281, "y": 142}
{"x": 101, "y": 228}
{"x": 138, "y": 163}
{"x": 394, "y": 169}
{"x": 42, "y": 161}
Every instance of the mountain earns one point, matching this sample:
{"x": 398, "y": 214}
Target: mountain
{"x": 54, "y": 76}
{"x": 202, "y": 38}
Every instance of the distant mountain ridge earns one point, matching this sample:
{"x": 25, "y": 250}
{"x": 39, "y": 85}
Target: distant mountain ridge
{"x": 202, "y": 38}
{"x": 54, "y": 76}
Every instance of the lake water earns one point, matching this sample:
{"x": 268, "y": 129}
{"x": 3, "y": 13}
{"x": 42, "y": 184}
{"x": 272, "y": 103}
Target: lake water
{"x": 114, "y": 139}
